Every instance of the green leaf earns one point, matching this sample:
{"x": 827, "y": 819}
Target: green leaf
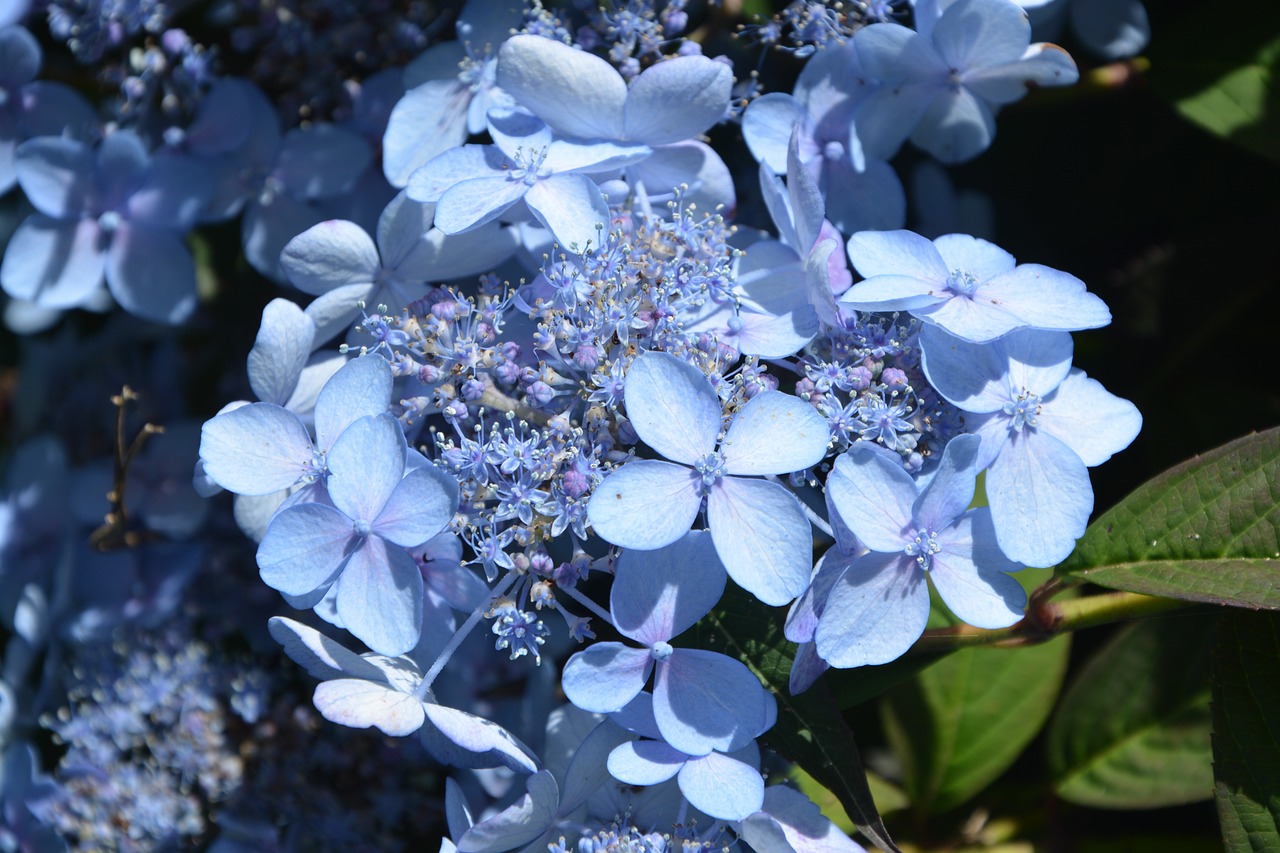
{"x": 1246, "y": 731}
{"x": 963, "y": 721}
{"x": 1226, "y": 86}
{"x": 1205, "y": 530}
{"x": 1132, "y": 731}
{"x": 810, "y": 730}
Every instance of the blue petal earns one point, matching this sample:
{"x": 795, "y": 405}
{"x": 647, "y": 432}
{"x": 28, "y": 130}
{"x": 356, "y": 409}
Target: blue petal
{"x": 361, "y": 704}
{"x": 874, "y": 496}
{"x": 969, "y": 574}
{"x": 957, "y": 125}
{"x": 660, "y": 594}
{"x": 578, "y": 94}
{"x": 981, "y": 33}
{"x": 56, "y": 173}
{"x": 419, "y": 508}
{"x": 256, "y": 449}
{"x": 151, "y": 273}
{"x": 305, "y": 548}
{"x": 706, "y": 701}
{"x": 362, "y": 387}
{"x": 366, "y": 463}
{"x": 523, "y": 821}
{"x": 280, "y": 351}
{"x": 379, "y": 596}
{"x": 53, "y": 263}
{"x": 428, "y": 183}
{"x": 321, "y": 160}
{"x": 677, "y": 99}
{"x": 605, "y": 676}
{"x": 722, "y": 787}
{"x": 1040, "y": 498}
{"x": 645, "y": 504}
{"x": 438, "y": 104}
{"x": 471, "y": 203}
{"x": 951, "y": 488}
{"x": 493, "y": 745}
{"x": 774, "y": 433}
{"x": 767, "y": 126}
{"x": 588, "y": 772}
{"x": 1046, "y": 299}
{"x": 332, "y": 254}
{"x": 645, "y": 762}
{"x": 319, "y": 655}
{"x": 672, "y": 407}
{"x": 762, "y": 536}
{"x": 874, "y": 614}
{"x": 897, "y": 253}
{"x": 1090, "y": 420}
{"x": 572, "y": 208}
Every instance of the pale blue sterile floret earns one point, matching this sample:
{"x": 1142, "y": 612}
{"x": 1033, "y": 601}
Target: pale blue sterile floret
{"x": 943, "y": 85}
{"x": 879, "y": 605}
{"x": 340, "y": 264}
{"x": 355, "y": 542}
{"x": 115, "y": 213}
{"x": 1042, "y": 424}
{"x": 759, "y": 528}
{"x": 967, "y": 286}
{"x": 703, "y": 701}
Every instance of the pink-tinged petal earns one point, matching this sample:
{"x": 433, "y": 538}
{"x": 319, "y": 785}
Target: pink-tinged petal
{"x": 1090, "y": 420}
{"x": 700, "y": 85}
{"x": 419, "y": 508}
{"x": 379, "y": 597}
{"x": 762, "y": 536}
{"x": 151, "y": 273}
{"x": 305, "y": 549}
{"x": 333, "y": 254}
{"x": 319, "y": 655}
{"x": 606, "y": 676}
{"x": 981, "y": 33}
{"x": 874, "y": 614}
{"x": 256, "y": 449}
{"x": 705, "y": 701}
{"x": 722, "y": 787}
{"x": 774, "y": 433}
{"x": 969, "y": 574}
{"x": 645, "y": 762}
{"x": 645, "y": 504}
{"x": 577, "y": 94}
{"x": 361, "y": 704}
{"x": 897, "y": 253}
{"x": 1040, "y": 498}
{"x": 657, "y": 595}
{"x": 366, "y": 463}
{"x": 672, "y": 407}
{"x": 360, "y": 388}
{"x": 53, "y": 263}
{"x": 280, "y": 351}
{"x": 874, "y": 497}
{"x": 1045, "y": 298}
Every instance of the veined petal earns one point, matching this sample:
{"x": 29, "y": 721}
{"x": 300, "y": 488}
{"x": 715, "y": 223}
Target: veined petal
{"x": 572, "y": 208}
{"x": 970, "y": 376}
{"x": 1040, "y": 498}
{"x": 645, "y": 504}
{"x": 705, "y": 701}
{"x": 419, "y": 508}
{"x": 1090, "y": 420}
{"x": 280, "y": 351}
{"x": 676, "y": 99}
{"x": 577, "y": 94}
{"x": 361, "y": 387}
{"x": 333, "y": 254}
{"x": 361, "y": 704}
{"x": 672, "y": 407}
{"x": 660, "y": 594}
{"x": 438, "y": 104}
{"x": 981, "y": 33}
{"x": 874, "y": 614}
{"x": 1038, "y": 360}
{"x": 449, "y": 168}
{"x": 604, "y": 677}
{"x": 471, "y": 203}
{"x": 256, "y": 449}
{"x": 774, "y": 433}
{"x": 897, "y": 253}
{"x": 969, "y": 574}
{"x": 767, "y": 126}
{"x": 762, "y": 536}
{"x": 319, "y": 655}
{"x": 366, "y": 463}
{"x": 957, "y": 126}
{"x": 722, "y": 787}
{"x": 305, "y": 548}
{"x": 492, "y": 744}
{"x": 952, "y": 485}
{"x": 54, "y": 263}
{"x": 874, "y": 496}
{"x": 893, "y": 293}
{"x": 151, "y": 273}
{"x": 1045, "y": 298}
{"x": 645, "y": 762}
{"x": 520, "y": 823}
{"x": 379, "y": 597}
